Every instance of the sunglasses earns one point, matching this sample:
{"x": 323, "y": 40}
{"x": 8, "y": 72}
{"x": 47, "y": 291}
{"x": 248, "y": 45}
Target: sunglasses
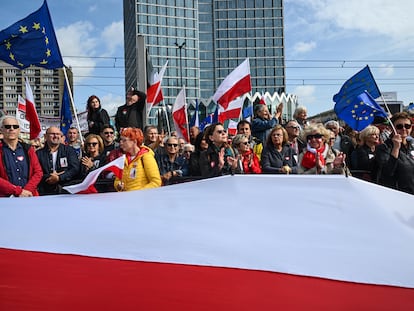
{"x": 401, "y": 126}
{"x": 91, "y": 144}
{"x": 172, "y": 145}
{"x": 316, "y": 136}
{"x": 221, "y": 131}
{"x": 246, "y": 143}
{"x": 11, "y": 126}
{"x": 109, "y": 133}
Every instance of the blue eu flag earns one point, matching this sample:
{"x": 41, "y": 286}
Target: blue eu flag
{"x": 65, "y": 113}
{"x": 356, "y": 85}
{"x": 31, "y": 42}
{"x": 360, "y": 112}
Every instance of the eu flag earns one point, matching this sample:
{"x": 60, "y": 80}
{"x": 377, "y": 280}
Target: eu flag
{"x": 357, "y": 84}
{"x": 31, "y": 42}
{"x": 360, "y": 112}
{"x": 65, "y": 113}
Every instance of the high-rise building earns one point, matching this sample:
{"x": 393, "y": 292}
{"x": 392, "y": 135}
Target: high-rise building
{"x": 204, "y": 40}
{"x": 46, "y": 84}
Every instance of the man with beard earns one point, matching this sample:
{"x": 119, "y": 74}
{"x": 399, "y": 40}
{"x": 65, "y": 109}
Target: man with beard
{"x": 60, "y": 163}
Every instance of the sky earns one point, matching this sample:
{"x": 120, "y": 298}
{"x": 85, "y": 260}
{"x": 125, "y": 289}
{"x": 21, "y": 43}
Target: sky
{"x": 326, "y": 42}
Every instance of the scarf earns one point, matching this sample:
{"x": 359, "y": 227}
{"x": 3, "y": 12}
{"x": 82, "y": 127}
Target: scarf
{"x": 309, "y": 158}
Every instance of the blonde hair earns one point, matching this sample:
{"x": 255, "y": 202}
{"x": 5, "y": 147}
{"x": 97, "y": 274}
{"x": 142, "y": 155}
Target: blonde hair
{"x": 370, "y": 129}
{"x": 312, "y": 128}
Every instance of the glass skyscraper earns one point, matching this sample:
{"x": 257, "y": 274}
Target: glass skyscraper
{"x": 204, "y": 41}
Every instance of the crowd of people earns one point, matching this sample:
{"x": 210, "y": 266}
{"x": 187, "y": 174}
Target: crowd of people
{"x": 381, "y": 153}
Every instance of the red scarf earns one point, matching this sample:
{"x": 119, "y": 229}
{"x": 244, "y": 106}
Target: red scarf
{"x": 309, "y": 158}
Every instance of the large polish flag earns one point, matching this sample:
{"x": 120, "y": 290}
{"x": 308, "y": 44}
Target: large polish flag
{"x": 344, "y": 245}
{"x": 31, "y": 113}
{"x": 234, "y": 85}
{"x": 154, "y": 92}
{"x": 180, "y": 117}
{"x": 87, "y": 185}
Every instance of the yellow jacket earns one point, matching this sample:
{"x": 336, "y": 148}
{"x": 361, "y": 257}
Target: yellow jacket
{"x": 141, "y": 173}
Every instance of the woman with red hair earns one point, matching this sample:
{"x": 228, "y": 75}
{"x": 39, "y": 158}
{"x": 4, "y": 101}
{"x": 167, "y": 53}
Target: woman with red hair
{"x": 141, "y": 169}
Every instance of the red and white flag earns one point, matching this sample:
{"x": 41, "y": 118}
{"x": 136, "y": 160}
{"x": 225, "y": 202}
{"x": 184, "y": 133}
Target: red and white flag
{"x": 31, "y": 113}
{"x": 21, "y": 115}
{"x": 167, "y": 249}
{"x": 154, "y": 92}
{"x": 87, "y": 186}
{"x": 234, "y": 85}
{"x": 232, "y": 127}
{"x": 233, "y": 110}
{"x": 180, "y": 118}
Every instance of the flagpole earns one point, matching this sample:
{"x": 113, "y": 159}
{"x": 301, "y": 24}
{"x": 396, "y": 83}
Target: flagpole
{"x": 389, "y": 113}
{"x": 73, "y": 104}
{"x": 166, "y": 117}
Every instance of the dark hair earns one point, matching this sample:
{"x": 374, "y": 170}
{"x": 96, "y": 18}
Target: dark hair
{"x": 243, "y": 122}
{"x": 210, "y": 130}
{"x": 89, "y": 101}
{"x": 400, "y": 115}
{"x": 107, "y": 126}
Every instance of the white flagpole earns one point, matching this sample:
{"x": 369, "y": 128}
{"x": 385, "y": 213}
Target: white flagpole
{"x": 73, "y": 104}
{"x": 389, "y": 113}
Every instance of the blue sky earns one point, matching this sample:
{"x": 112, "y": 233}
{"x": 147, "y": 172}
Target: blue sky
{"x": 327, "y": 41}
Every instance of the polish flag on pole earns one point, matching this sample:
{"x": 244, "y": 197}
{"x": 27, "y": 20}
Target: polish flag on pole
{"x": 234, "y": 85}
{"x": 154, "y": 92}
{"x": 21, "y": 115}
{"x": 31, "y": 113}
{"x": 233, "y": 110}
{"x": 87, "y": 186}
{"x": 180, "y": 118}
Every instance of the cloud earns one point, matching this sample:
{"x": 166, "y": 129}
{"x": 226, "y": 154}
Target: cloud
{"x": 75, "y": 40}
{"x": 305, "y": 94}
{"x": 113, "y": 37}
{"x": 381, "y": 17}
{"x": 111, "y": 103}
{"x": 303, "y": 47}
{"x": 387, "y": 70}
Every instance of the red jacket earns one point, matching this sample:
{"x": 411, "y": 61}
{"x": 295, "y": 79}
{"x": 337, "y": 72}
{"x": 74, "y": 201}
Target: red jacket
{"x": 35, "y": 174}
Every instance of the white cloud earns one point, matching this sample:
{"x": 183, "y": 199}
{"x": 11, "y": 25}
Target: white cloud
{"x": 305, "y": 94}
{"x": 75, "y": 40}
{"x": 387, "y": 70}
{"x": 113, "y": 36}
{"x": 92, "y": 8}
{"x": 303, "y": 47}
{"x": 111, "y": 103}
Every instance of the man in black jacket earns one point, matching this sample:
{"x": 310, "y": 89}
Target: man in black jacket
{"x": 132, "y": 113}
{"x": 60, "y": 163}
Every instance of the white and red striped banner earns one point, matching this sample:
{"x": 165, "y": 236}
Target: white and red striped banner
{"x": 259, "y": 242}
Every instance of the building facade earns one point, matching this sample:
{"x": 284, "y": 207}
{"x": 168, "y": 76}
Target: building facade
{"x": 46, "y": 84}
{"x": 204, "y": 41}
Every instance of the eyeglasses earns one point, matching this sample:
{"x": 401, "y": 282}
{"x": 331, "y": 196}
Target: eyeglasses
{"x": 293, "y": 127}
{"x": 221, "y": 132}
{"x": 246, "y": 143}
{"x": 187, "y": 151}
{"x": 91, "y": 144}
{"x": 316, "y": 136}
{"x": 11, "y": 126}
{"x": 401, "y": 126}
{"x": 172, "y": 145}
{"x": 54, "y": 134}
{"x": 109, "y": 133}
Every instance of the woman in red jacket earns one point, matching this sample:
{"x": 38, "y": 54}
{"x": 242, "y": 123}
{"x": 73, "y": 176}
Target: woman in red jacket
{"x": 248, "y": 161}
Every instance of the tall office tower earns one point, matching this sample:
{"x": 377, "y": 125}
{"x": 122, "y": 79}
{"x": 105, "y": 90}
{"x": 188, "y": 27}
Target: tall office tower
{"x": 204, "y": 41}
{"x": 46, "y": 84}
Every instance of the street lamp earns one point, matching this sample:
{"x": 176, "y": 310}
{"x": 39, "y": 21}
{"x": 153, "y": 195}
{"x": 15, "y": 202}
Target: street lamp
{"x": 180, "y": 47}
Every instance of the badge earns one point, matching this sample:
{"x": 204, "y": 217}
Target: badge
{"x": 63, "y": 162}
{"x": 132, "y": 173}
{"x": 20, "y": 158}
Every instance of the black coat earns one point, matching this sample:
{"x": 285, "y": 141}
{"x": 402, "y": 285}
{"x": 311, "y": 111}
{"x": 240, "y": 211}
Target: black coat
{"x": 99, "y": 118}
{"x": 131, "y": 116}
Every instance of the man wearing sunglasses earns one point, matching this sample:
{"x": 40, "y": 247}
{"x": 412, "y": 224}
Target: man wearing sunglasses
{"x": 108, "y": 137}
{"x": 20, "y": 171}
{"x": 60, "y": 163}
